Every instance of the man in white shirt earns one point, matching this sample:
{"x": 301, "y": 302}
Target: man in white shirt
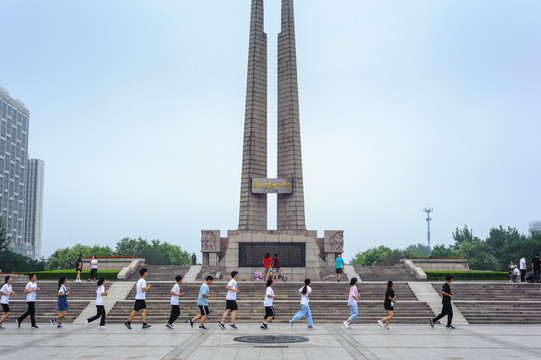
{"x": 523, "y": 269}
{"x": 231, "y": 301}
{"x": 30, "y": 290}
{"x": 140, "y": 303}
{"x": 175, "y": 307}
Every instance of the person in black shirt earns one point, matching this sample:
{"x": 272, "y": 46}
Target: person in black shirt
{"x": 446, "y": 301}
{"x": 79, "y": 268}
{"x": 536, "y": 267}
{"x": 388, "y": 304}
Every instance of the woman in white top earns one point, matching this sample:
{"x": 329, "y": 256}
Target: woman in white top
{"x": 63, "y": 292}
{"x": 6, "y": 292}
{"x": 93, "y": 268}
{"x": 100, "y": 293}
{"x": 30, "y": 290}
{"x": 305, "y": 293}
{"x": 269, "y": 308}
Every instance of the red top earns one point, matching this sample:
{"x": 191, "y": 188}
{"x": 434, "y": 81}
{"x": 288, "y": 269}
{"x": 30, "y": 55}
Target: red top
{"x": 267, "y": 262}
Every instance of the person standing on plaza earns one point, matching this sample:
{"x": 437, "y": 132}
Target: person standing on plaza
{"x": 536, "y": 268}
{"x": 267, "y": 265}
{"x": 140, "y": 300}
{"x": 30, "y": 290}
{"x": 194, "y": 259}
{"x": 79, "y": 268}
{"x": 231, "y": 301}
{"x": 447, "y": 308}
{"x": 175, "y": 297}
{"x": 268, "y": 303}
{"x": 388, "y": 304}
{"x": 6, "y": 291}
{"x": 63, "y": 292}
{"x": 353, "y": 298}
{"x": 523, "y": 269}
{"x": 304, "y": 312}
{"x": 100, "y": 293}
{"x": 203, "y": 303}
{"x": 275, "y": 266}
{"x": 339, "y": 266}
{"x": 93, "y": 268}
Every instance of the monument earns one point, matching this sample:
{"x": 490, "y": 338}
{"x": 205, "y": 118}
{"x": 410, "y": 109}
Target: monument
{"x": 301, "y": 252}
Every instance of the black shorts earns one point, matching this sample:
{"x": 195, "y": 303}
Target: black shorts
{"x": 204, "y": 309}
{"x": 338, "y": 270}
{"x": 5, "y": 308}
{"x": 139, "y": 305}
{"x": 388, "y": 307}
{"x": 269, "y": 311}
{"x": 231, "y": 305}
{"x": 93, "y": 273}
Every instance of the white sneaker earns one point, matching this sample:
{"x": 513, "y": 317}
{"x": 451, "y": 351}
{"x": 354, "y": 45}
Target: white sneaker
{"x": 291, "y": 323}
{"x": 381, "y": 324}
{"x": 102, "y": 326}
{"x": 346, "y": 324}
{"x": 350, "y": 327}
{"x": 86, "y": 322}
{"x": 388, "y": 328}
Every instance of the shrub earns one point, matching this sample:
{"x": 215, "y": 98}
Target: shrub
{"x": 71, "y": 274}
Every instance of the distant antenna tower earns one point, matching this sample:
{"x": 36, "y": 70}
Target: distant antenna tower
{"x": 428, "y": 218}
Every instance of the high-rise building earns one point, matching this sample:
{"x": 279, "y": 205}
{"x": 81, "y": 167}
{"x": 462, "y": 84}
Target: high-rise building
{"x": 34, "y": 204}
{"x": 14, "y": 165}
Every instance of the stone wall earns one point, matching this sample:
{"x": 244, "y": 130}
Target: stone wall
{"x": 441, "y": 264}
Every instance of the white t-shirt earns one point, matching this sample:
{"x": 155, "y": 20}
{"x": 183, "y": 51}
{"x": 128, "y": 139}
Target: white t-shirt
{"x": 62, "y": 289}
{"x": 31, "y": 297}
{"x": 176, "y": 290}
{"x": 8, "y": 290}
{"x": 516, "y": 272}
{"x": 269, "y": 300}
{"x": 231, "y": 295}
{"x": 94, "y": 263}
{"x": 522, "y": 264}
{"x": 141, "y": 295}
{"x": 99, "y": 298}
{"x": 304, "y": 299}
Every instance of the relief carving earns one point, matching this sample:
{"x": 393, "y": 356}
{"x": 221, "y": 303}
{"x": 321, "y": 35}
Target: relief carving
{"x": 210, "y": 241}
{"x": 334, "y": 241}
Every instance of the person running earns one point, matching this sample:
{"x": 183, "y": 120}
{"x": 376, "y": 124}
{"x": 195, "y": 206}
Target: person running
{"x": 354, "y": 297}
{"x": 203, "y": 303}
{"x": 267, "y": 265}
{"x": 523, "y": 269}
{"x": 231, "y": 301}
{"x": 79, "y": 268}
{"x": 269, "y": 308}
{"x": 93, "y": 268}
{"x": 304, "y": 312}
{"x": 388, "y": 304}
{"x": 63, "y": 292}
{"x": 339, "y": 266}
{"x": 100, "y": 293}
{"x": 140, "y": 297}
{"x": 30, "y": 290}
{"x": 175, "y": 307}
{"x": 6, "y": 291}
{"x": 447, "y": 308}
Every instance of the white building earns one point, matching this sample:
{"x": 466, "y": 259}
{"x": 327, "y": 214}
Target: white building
{"x": 534, "y": 226}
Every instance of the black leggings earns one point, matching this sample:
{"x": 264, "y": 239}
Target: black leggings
{"x": 101, "y": 312}
{"x": 30, "y": 311}
{"x": 446, "y": 310}
{"x": 175, "y": 312}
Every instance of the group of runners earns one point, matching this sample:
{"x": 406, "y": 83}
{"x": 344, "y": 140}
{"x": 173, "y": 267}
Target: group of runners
{"x": 205, "y": 293}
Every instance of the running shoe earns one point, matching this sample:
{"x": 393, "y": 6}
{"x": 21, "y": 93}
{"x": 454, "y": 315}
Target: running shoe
{"x": 170, "y": 326}
{"x": 380, "y": 324}
{"x": 34, "y": 327}
{"x": 350, "y": 327}
{"x": 432, "y": 322}
{"x": 450, "y": 327}
{"x": 202, "y": 327}
{"x": 86, "y": 322}
{"x": 1, "y": 327}
{"x": 221, "y": 326}
{"x": 311, "y": 327}
{"x": 53, "y": 321}
{"x": 291, "y": 323}
{"x": 128, "y": 325}
{"x": 234, "y": 326}
{"x": 388, "y": 328}
{"x": 191, "y": 323}
{"x": 102, "y": 326}
{"x": 146, "y": 326}
{"x": 18, "y": 323}
{"x": 59, "y": 325}
{"x": 346, "y": 324}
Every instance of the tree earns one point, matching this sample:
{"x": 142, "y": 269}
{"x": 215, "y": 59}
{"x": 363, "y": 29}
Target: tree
{"x": 63, "y": 259}
{"x": 132, "y": 247}
{"x": 372, "y": 257}
{"x": 479, "y": 255}
{"x": 503, "y": 242}
{"x": 419, "y": 249}
{"x": 5, "y": 240}
{"x": 442, "y": 251}
{"x": 13, "y": 262}
{"x": 154, "y": 252}
{"x": 464, "y": 235}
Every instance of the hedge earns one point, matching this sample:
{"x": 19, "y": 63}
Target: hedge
{"x": 468, "y": 275}
{"x": 71, "y": 274}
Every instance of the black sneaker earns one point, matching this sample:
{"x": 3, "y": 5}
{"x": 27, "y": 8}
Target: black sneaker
{"x": 432, "y": 323}
{"x": 263, "y": 327}
{"x": 17, "y": 322}
{"x": 234, "y": 326}
{"x": 191, "y": 323}
{"x": 221, "y": 326}
{"x": 170, "y": 326}
{"x": 450, "y": 327}
{"x": 146, "y": 326}
{"x": 202, "y": 327}
{"x": 128, "y": 325}
{"x": 34, "y": 327}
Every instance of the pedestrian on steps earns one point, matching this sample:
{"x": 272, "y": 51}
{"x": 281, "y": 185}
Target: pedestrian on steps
{"x": 175, "y": 306}
{"x": 231, "y": 306}
{"x": 304, "y": 312}
{"x": 339, "y": 266}
{"x": 388, "y": 304}
{"x": 140, "y": 300}
{"x": 447, "y": 308}
{"x": 268, "y": 303}
{"x": 203, "y": 303}
{"x": 353, "y": 298}
{"x": 100, "y": 293}
{"x": 30, "y": 290}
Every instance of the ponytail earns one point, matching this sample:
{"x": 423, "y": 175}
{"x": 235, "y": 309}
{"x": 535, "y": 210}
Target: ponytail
{"x": 100, "y": 281}
{"x": 305, "y": 288}
{"x": 6, "y": 279}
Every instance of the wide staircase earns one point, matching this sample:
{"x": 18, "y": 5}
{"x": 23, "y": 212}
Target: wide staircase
{"x": 328, "y": 302}
{"x": 497, "y": 302}
{"x": 161, "y": 272}
{"x": 384, "y": 273}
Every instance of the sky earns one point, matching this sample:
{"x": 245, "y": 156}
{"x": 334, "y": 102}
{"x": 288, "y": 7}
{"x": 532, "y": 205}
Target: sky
{"x": 137, "y": 109}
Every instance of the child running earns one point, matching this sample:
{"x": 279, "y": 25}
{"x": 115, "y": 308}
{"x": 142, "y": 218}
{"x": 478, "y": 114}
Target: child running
{"x": 231, "y": 301}
{"x": 140, "y": 300}
{"x": 354, "y": 297}
{"x": 269, "y": 308}
{"x": 100, "y": 293}
{"x": 388, "y": 304}
{"x": 6, "y": 292}
{"x": 63, "y": 292}
{"x": 203, "y": 303}
{"x": 175, "y": 307}
{"x": 30, "y": 290}
{"x": 304, "y": 312}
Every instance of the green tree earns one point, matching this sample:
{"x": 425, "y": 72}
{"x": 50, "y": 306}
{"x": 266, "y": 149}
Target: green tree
{"x": 5, "y": 240}
{"x": 133, "y": 247}
{"x": 419, "y": 249}
{"x": 372, "y": 256}
{"x": 479, "y": 255}
{"x": 505, "y": 242}
{"x": 442, "y": 251}
{"x": 154, "y": 252}
{"x": 13, "y": 262}
{"x": 464, "y": 235}
{"x": 63, "y": 259}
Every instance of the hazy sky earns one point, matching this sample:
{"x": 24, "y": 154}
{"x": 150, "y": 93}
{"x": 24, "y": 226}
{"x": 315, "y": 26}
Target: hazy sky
{"x": 137, "y": 108}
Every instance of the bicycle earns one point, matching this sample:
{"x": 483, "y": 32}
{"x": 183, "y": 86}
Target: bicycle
{"x": 278, "y": 273}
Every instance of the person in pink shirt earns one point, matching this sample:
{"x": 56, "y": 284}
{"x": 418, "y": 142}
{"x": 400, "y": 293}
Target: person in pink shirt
{"x": 354, "y": 297}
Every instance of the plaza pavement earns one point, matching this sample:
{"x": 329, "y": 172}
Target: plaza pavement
{"x": 327, "y": 341}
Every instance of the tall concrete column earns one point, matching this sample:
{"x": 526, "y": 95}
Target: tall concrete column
{"x": 290, "y": 206}
{"x": 253, "y": 207}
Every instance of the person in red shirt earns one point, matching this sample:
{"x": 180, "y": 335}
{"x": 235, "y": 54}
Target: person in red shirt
{"x": 267, "y": 264}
